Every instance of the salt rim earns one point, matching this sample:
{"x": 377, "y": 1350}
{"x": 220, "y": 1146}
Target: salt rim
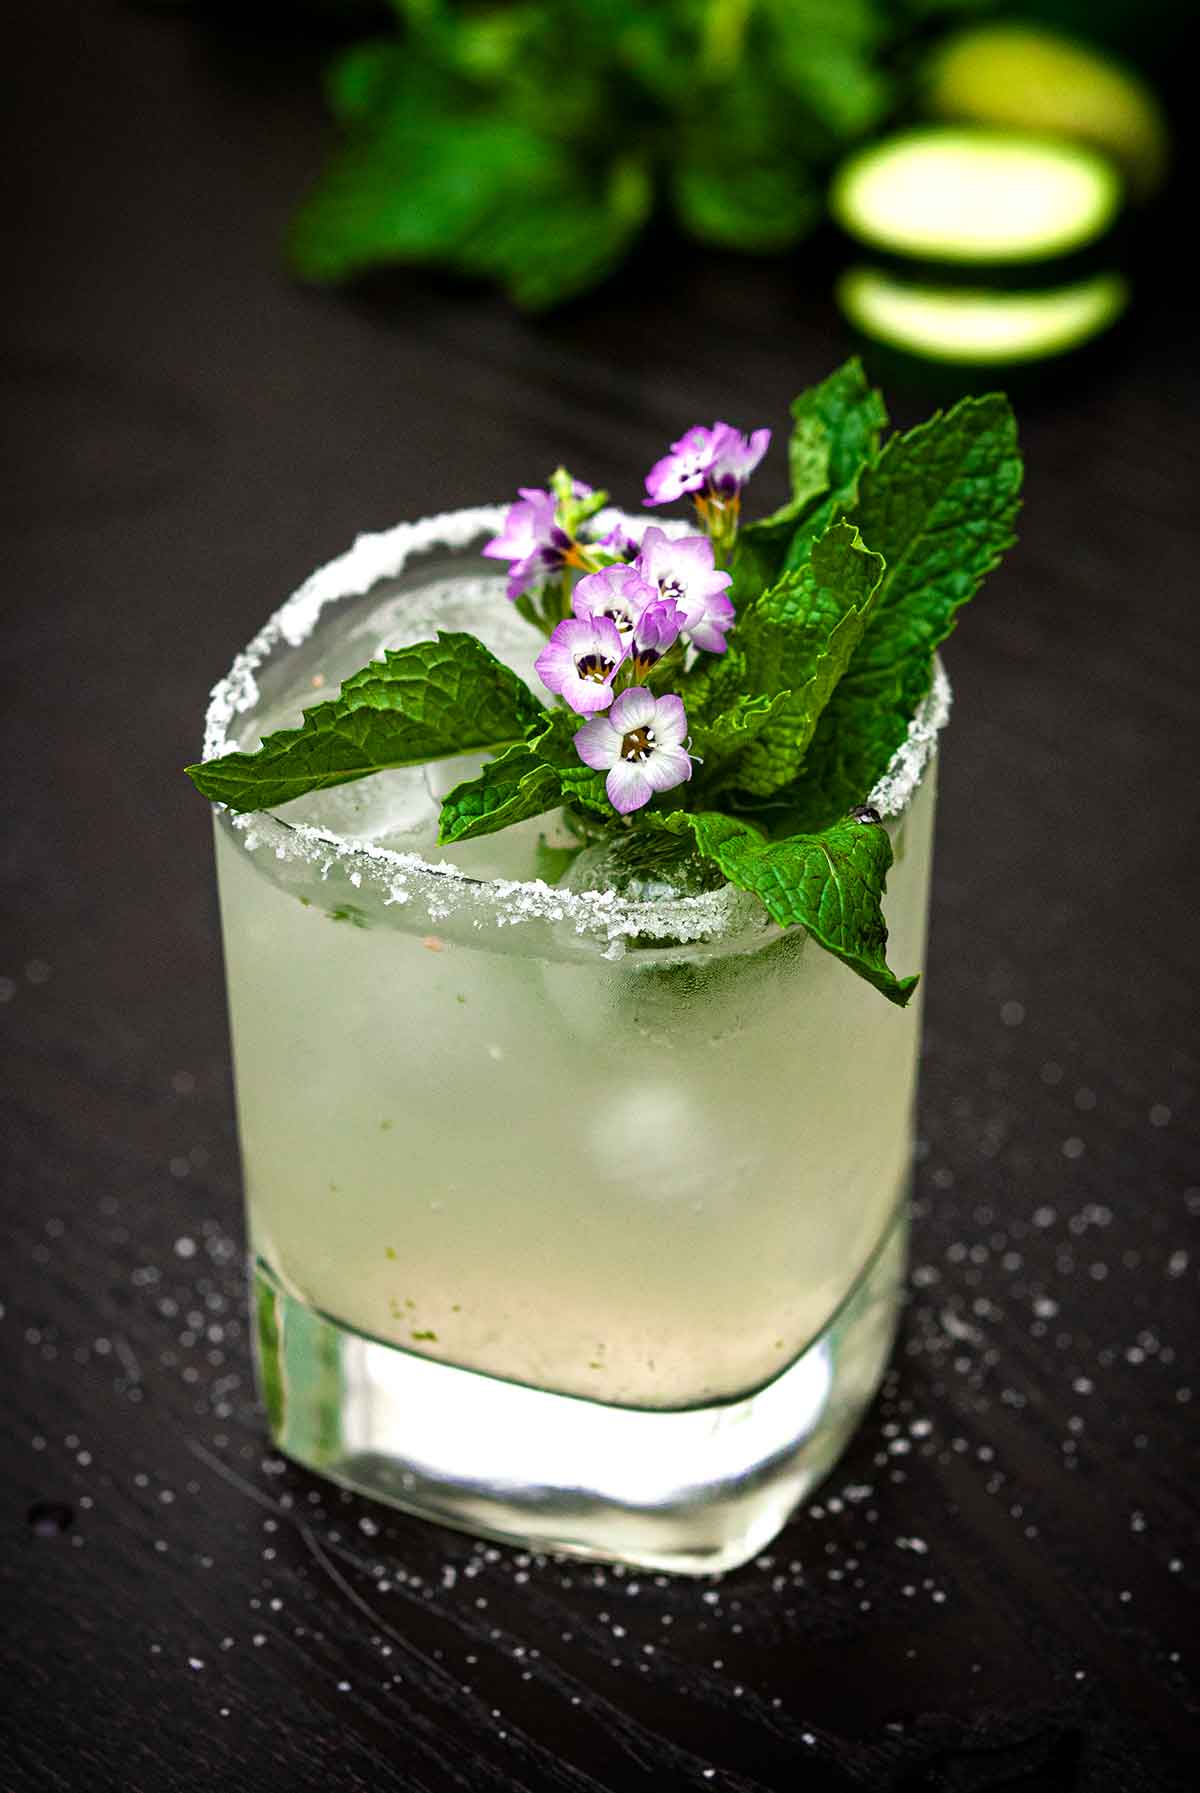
{"x": 444, "y": 887}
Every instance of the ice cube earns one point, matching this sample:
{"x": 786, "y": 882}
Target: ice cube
{"x": 392, "y": 809}
{"x": 473, "y": 604}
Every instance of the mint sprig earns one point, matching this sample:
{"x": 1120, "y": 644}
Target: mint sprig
{"x": 424, "y": 702}
{"x": 838, "y": 603}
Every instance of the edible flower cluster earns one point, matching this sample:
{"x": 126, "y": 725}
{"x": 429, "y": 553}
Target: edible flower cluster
{"x": 639, "y": 612}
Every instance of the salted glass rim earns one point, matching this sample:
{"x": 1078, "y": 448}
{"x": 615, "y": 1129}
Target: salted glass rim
{"x": 398, "y": 876}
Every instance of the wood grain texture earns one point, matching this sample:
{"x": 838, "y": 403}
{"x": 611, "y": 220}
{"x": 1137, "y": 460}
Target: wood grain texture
{"x": 997, "y": 1588}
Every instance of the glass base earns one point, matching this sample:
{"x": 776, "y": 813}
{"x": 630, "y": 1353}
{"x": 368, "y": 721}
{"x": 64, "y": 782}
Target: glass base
{"x": 694, "y": 1491}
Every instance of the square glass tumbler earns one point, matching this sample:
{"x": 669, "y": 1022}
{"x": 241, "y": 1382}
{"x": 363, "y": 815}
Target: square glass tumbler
{"x": 576, "y": 1219}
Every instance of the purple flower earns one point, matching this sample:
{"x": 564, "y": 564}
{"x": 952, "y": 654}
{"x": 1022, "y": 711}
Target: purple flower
{"x": 683, "y": 572}
{"x": 639, "y": 744}
{"x": 531, "y": 540}
{"x": 734, "y": 458}
{"x": 655, "y": 632}
{"x": 717, "y": 461}
{"x": 685, "y": 469}
{"x": 579, "y": 661}
{"x": 619, "y": 593}
{"x": 618, "y": 541}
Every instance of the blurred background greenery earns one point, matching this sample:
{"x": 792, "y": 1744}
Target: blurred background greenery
{"x": 531, "y": 143}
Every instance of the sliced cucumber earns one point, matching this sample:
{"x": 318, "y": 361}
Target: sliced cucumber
{"x": 971, "y": 328}
{"x": 1026, "y": 77}
{"x": 971, "y": 198}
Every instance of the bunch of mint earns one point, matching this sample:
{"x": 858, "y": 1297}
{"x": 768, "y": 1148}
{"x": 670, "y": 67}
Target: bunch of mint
{"x": 734, "y": 694}
{"x": 530, "y": 142}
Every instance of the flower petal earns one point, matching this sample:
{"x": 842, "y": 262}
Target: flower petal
{"x": 586, "y": 696}
{"x": 633, "y": 709}
{"x": 666, "y": 767}
{"x": 598, "y": 744}
{"x": 556, "y": 663}
{"x": 628, "y": 786}
{"x": 670, "y": 720}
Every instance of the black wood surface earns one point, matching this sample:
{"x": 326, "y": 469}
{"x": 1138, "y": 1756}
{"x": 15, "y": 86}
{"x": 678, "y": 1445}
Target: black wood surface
{"x": 997, "y": 1587}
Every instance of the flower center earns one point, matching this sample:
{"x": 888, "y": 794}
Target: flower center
{"x": 672, "y": 587}
{"x": 594, "y": 667}
{"x": 638, "y": 744}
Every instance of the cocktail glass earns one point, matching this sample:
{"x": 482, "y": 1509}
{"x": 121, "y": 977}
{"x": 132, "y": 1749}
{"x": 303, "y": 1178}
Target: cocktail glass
{"x": 577, "y": 1219}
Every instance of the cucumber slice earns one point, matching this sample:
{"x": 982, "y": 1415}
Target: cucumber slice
{"x": 962, "y": 327}
{"x": 974, "y": 198}
{"x": 1026, "y": 77}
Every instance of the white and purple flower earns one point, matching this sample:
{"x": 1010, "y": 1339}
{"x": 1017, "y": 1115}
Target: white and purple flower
{"x": 683, "y": 572}
{"x": 639, "y": 743}
{"x": 531, "y": 540}
{"x": 714, "y": 462}
{"x": 618, "y": 593}
{"x": 580, "y": 660}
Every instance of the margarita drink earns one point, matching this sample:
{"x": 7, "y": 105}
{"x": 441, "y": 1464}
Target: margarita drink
{"x": 643, "y": 1148}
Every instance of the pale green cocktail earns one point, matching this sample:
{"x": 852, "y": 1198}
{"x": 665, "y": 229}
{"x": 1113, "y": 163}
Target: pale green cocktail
{"x": 577, "y": 1219}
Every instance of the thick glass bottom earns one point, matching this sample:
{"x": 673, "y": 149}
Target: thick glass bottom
{"x": 694, "y": 1491}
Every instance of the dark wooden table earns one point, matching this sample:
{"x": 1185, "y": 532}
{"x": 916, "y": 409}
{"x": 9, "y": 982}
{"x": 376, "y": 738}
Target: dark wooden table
{"x": 997, "y": 1587}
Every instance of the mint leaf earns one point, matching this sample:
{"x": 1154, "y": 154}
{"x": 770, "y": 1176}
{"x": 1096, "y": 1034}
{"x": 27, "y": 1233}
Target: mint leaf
{"x": 827, "y": 53}
{"x": 835, "y": 433}
{"x": 419, "y": 703}
{"x": 744, "y": 205}
{"x": 417, "y": 183}
{"x": 939, "y": 505}
{"x": 530, "y": 777}
{"x": 728, "y": 735}
{"x": 361, "y": 79}
{"x": 831, "y": 883}
{"x": 577, "y": 783}
{"x": 590, "y": 226}
{"x": 798, "y": 639}
{"x": 852, "y": 412}
{"x": 509, "y": 789}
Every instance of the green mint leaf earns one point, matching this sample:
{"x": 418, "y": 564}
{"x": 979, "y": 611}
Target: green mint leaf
{"x": 852, "y": 412}
{"x": 727, "y": 736}
{"x": 587, "y": 231}
{"x": 739, "y": 205}
{"x": 831, "y": 883}
{"x": 797, "y": 640}
{"x": 530, "y": 777}
{"x": 418, "y": 703}
{"x": 421, "y": 182}
{"x": 835, "y": 433}
{"x": 511, "y": 788}
{"x": 826, "y": 53}
{"x": 577, "y": 783}
{"x": 362, "y": 79}
{"x": 939, "y": 505}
